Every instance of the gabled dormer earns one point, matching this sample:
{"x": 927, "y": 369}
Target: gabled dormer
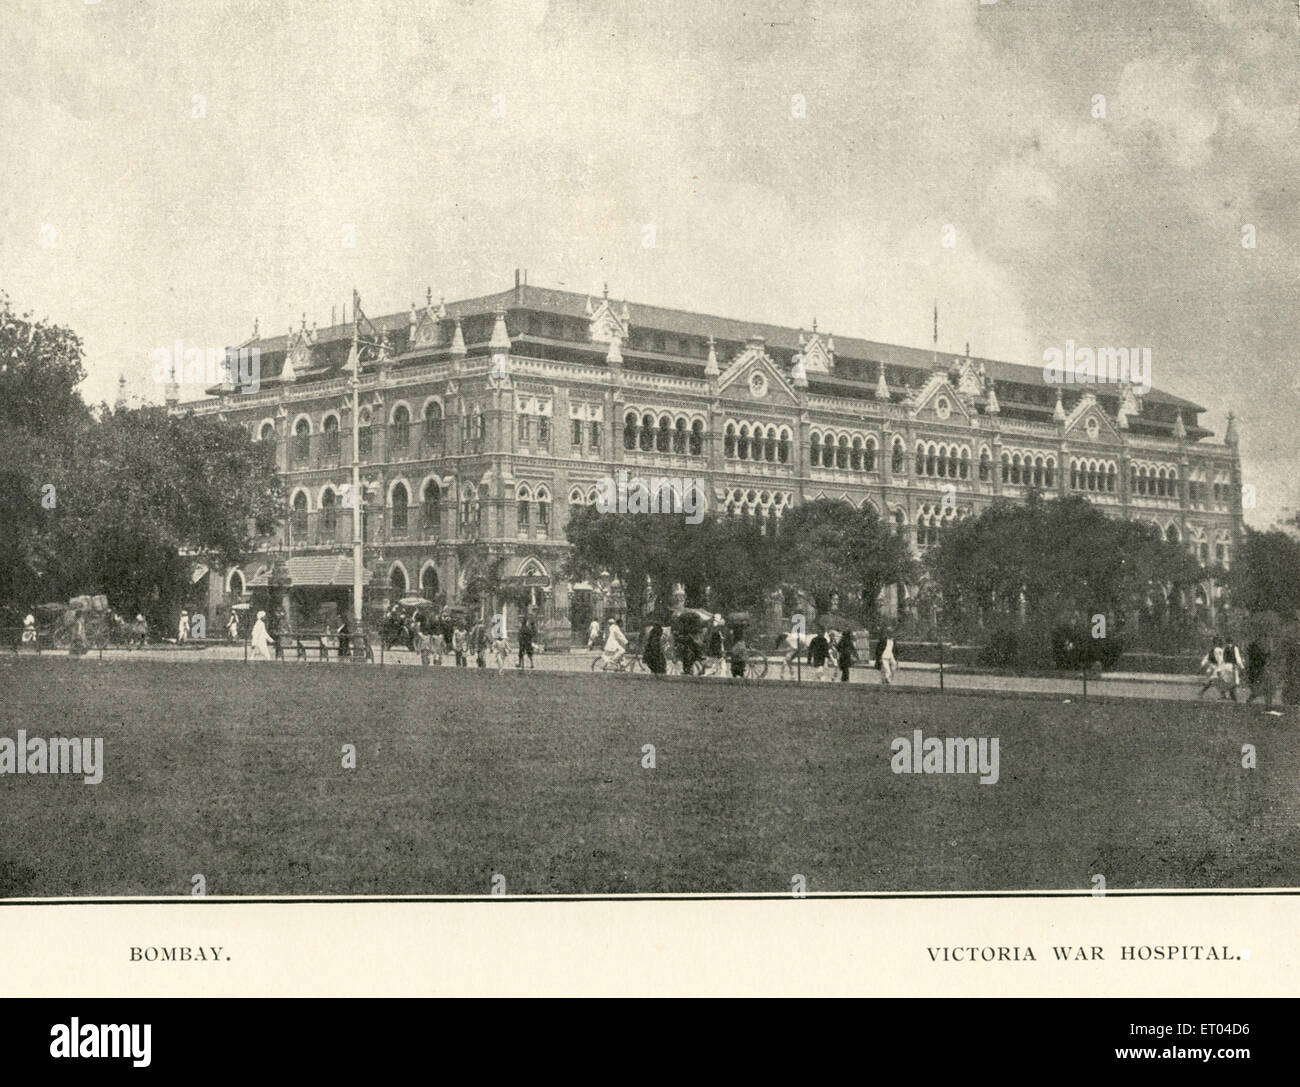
{"x": 938, "y": 400}
{"x": 818, "y": 352}
{"x": 427, "y": 329}
{"x": 753, "y": 376}
{"x": 1087, "y": 418}
{"x": 603, "y": 323}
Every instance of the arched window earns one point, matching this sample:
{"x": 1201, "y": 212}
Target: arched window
{"x": 525, "y": 499}
{"x": 1171, "y": 534}
{"x": 236, "y": 584}
{"x": 302, "y": 440}
{"x": 1049, "y": 470}
{"x": 729, "y": 441}
{"x": 328, "y": 517}
{"x": 679, "y": 436}
{"x": 433, "y": 426}
{"x": 431, "y": 512}
{"x": 429, "y": 583}
{"x": 397, "y": 580}
{"x": 469, "y": 507}
{"x": 869, "y": 456}
{"x": 920, "y": 460}
{"x": 783, "y": 448}
{"x": 769, "y": 444}
{"x": 298, "y": 522}
{"x": 1110, "y": 478}
{"x": 268, "y": 433}
{"x": 400, "y": 431}
{"x": 1006, "y": 468}
{"x": 986, "y": 466}
{"x": 964, "y": 471}
{"x": 629, "y": 431}
{"x": 931, "y": 456}
{"x": 742, "y": 442}
{"x": 647, "y": 434}
{"x": 363, "y": 434}
{"x": 543, "y": 511}
{"x": 896, "y": 457}
{"x": 697, "y": 438}
{"x": 664, "y": 438}
{"x": 331, "y": 432}
{"x": 400, "y": 502}
{"x": 842, "y": 452}
{"x": 1015, "y": 468}
{"x": 855, "y": 455}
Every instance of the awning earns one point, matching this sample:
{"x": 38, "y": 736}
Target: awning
{"x": 313, "y": 571}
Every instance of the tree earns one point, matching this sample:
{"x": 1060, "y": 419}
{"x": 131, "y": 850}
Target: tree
{"x": 119, "y": 502}
{"x": 40, "y": 412}
{"x": 827, "y": 547}
{"x": 1264, "y": 577}
{"x": 1055, "y": 561}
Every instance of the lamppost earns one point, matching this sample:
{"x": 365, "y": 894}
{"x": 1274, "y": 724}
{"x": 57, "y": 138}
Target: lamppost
{"x": 353, "y": 368}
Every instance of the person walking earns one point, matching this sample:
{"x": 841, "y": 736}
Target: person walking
{"x": 848, "y": 653}
{"x": 261, "y": 638}
{"x": 739, "y": 654}
{"x": 478, "y": 644}
{"x": 688, "y": 650}
{"x": 1256, "y": 661}
{"x": 527, "y": 631}
{"x": 593, "y": 634}
{"x": 818, "y": 652}
{"x": 232, "y": 626}
{"x": 885, "y": 660}
{"x": 183, "y": 627}
{"x": 653, "y": 653}
{"x": 458, "y": 645}
{"x": 29, "y": 630}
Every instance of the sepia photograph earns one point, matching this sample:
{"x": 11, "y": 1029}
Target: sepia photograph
{"x": 495, "y": 448}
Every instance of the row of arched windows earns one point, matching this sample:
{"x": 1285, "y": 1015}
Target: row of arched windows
{"x": 1099, "y": 477}
{"x": 1028, "y": 470}
{"x": 942, "y": 461}
{"x": 745, "y": 442}
{"x": 1153, "y": 482}
{"x": 529, "y": 498}
{"x": 666, "y": 435}
{"x": 858, "y": 455}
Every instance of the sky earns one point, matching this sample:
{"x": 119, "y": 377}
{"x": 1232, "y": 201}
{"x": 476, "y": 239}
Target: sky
{"x": 174, "y": 171}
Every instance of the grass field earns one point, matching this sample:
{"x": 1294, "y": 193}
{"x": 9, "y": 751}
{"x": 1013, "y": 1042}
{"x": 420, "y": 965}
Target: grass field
{"x": 234, "y": 772}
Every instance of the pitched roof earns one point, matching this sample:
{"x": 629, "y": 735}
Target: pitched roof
{"x": 317, "y": 570}
{"x": 684, "y": 322}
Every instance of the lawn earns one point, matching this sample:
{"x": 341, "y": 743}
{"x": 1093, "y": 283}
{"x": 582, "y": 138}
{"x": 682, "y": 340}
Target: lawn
{"x": 235, "y": 772}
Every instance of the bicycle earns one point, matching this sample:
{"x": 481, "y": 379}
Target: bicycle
{"x": 629, "y": 662}
{"x": 755, "y": 665}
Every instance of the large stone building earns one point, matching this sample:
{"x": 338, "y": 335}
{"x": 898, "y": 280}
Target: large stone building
{"x": 485, "y": 421}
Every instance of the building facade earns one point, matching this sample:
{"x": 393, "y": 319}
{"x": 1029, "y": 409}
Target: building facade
{"x": 484, "y": 422}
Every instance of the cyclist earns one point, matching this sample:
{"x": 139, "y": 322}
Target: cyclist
{"x": 792, "y": 643}
{"x": 615, "y": 645}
